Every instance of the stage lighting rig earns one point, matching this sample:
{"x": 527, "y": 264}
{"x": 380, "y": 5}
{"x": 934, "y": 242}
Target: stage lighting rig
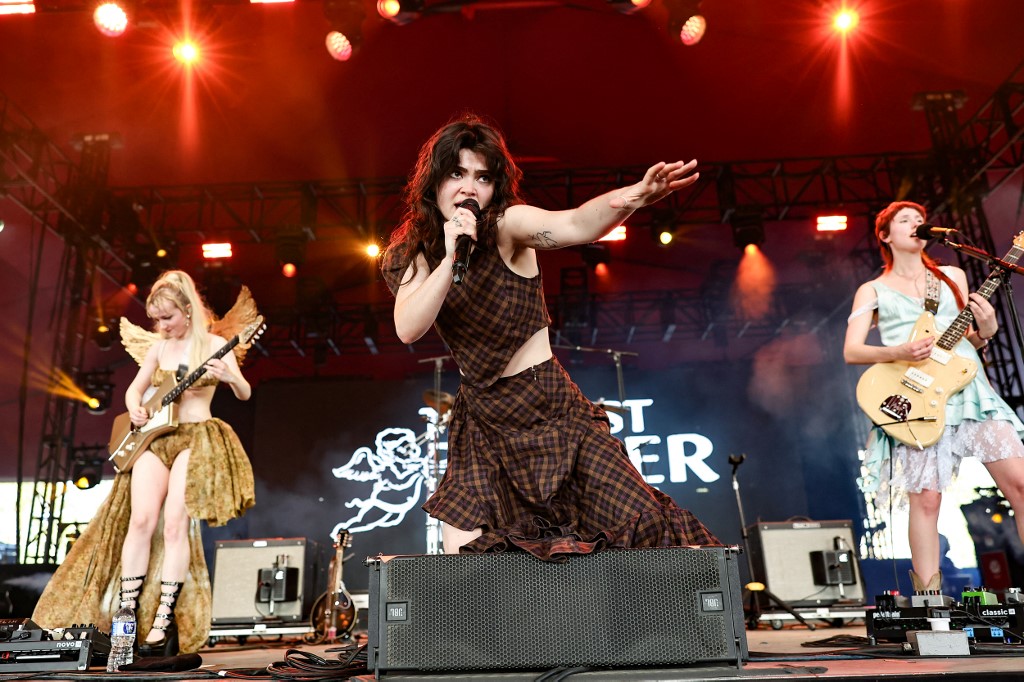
{"x": 747, "y": 227}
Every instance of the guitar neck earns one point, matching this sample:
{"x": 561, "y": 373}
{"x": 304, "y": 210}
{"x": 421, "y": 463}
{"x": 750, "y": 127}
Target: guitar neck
{"x": 185, "y": 383}
{"x": 958, "y": 328}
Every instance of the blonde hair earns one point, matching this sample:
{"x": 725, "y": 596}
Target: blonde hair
{"x": 178, "y": 289}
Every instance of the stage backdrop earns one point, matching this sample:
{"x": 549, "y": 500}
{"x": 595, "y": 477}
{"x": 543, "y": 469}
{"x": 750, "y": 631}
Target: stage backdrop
{"x": 355, "y": 454}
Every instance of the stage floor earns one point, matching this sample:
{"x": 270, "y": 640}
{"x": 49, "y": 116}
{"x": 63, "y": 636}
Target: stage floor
{"x": 831, "y": 652}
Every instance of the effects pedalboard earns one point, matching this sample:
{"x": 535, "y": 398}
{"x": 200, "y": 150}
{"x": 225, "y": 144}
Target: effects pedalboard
{"x": 26, "y": 647}
{"x": 978, "y": 614}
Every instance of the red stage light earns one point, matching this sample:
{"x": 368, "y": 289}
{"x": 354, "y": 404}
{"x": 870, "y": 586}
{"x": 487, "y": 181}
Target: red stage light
{"x": 111, "y": 19}
{"x": 845, "y": 20}
{"x": 17, "y": 7}
{"x": 186, "y": 52}
{"x": 831, "y": 223}
{"x": 217, "y": 250}
{"x": 289, "y": 270}
{"x": 339, "y": 46}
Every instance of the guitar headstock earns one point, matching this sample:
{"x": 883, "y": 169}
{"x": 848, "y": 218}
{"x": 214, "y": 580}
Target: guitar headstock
{"x": 1018, "y": 241}
{"x": 343, "y": 539}
{"x": 252, "y": 331}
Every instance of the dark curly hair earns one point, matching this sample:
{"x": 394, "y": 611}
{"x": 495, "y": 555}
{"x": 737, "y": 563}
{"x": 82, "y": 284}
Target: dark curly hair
{"x": 421, "y": 228}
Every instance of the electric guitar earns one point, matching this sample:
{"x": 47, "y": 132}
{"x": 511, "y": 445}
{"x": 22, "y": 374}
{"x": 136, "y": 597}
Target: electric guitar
{"x": 128, "y": 441}
{"x": 908, "y": 399}
{"x": 334, "y": 612}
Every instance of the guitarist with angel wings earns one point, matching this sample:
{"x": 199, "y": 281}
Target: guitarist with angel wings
{"x": 901, "y": 462}
{"x": 143, "y": 548}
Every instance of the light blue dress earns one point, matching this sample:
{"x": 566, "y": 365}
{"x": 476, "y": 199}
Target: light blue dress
{"x": 978, "y": 422}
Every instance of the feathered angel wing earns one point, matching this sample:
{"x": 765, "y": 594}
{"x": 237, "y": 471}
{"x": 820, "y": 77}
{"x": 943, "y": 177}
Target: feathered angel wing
{"x": 137, "y": 340}
{"x": 242, "y": 314}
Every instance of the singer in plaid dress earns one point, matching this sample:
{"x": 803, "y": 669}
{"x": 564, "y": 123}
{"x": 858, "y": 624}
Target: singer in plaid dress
{"x": 532, "y": 464}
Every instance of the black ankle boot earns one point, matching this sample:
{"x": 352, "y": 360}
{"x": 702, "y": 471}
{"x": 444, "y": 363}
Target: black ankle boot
{"x": 168, "y": 646}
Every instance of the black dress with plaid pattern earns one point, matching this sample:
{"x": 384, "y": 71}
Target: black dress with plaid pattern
{"x": 531, "y": 461}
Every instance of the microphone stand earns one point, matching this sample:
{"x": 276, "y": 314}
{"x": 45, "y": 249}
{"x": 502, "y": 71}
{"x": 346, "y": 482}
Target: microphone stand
{"x": 754, "y": 586}
{"x": 434, "y": 541}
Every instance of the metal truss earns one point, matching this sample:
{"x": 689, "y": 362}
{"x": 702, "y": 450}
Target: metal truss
{"x": 62, "y": 197}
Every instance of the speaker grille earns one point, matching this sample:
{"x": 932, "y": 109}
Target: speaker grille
{"x": 616, "y": 608}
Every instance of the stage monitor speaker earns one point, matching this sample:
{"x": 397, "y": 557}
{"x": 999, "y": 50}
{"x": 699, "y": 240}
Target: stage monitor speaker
{"x": 806, "y": 563}
{"x": 247, "y": 573}
{"x": 621, "y": 608}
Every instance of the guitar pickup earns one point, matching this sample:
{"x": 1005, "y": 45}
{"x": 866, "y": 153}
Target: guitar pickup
{"x": 918, "y": 378}
{"x": 911, "y": 385}
{"x": 940, "y": 356}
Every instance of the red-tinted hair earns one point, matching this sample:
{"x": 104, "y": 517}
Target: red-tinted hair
{"x": 883, "y": 222}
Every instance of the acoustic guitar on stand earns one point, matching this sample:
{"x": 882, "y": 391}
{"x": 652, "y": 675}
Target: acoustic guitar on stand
{"x": 334, "y": 612}
{"x": 908, "y": 399}
{"x": 128, "y": 441}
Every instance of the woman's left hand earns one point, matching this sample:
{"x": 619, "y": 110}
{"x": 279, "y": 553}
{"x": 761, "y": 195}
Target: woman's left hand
{"x": 219, "y": 369}
{"x": 659, "y": 181}
{"x": 984, "y": 316}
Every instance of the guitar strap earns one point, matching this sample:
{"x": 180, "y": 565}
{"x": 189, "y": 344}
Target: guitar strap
{"x": 931, "y": 292}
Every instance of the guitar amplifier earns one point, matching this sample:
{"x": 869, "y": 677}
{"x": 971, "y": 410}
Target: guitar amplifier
{"x": 806, "y": 563}
{"x": 269, "y": 579}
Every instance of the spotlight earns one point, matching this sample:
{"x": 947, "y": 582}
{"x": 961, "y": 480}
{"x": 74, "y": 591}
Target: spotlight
{"x": 186, "y": 52}
{"x": 845, "y": 20}
{"x": 102, "y": 336}
{"x": 85, "y": 476}
{"x": 595, "y": 255}
{"x": 399, "y": 12}
{"x": 338, "y": 46}
{"x": 290, "y": 248}
{"x": 216, "y": 250}
{"x": 372, "y": 250}
{"x": 747, "y": 228}
{"x": 685, "y": 20}
{"x": 98, "y": 387}
{"x": 111, "y": 19}
{"x": 346, "y": 20}
{"x": 629, "y": 6}
{"x": 831, "y": 223}
{"x": 665, "y": 236}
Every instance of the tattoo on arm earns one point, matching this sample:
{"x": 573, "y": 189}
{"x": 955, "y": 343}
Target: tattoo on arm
{"x": 543, "y": 240}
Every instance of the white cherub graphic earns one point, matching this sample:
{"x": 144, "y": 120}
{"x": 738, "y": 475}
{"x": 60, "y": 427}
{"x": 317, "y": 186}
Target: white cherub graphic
{"x": 398, "y": 470}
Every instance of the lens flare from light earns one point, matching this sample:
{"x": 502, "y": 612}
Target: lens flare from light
{"x": 846, "y": 20}
{"x": 110, "y": 19}
{"x": 186, "y": 52}
{"x": 372, "y": 250}
{"x": 338, "y": 46}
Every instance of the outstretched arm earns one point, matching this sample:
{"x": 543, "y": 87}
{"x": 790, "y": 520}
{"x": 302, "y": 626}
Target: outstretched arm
{"x": 529, "y": 226}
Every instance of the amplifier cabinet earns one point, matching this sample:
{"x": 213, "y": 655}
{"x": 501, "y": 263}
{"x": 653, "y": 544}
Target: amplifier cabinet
{"x": 618, "y": 608}
{"x": 795, "y": 560}
{"x": 266, "y": 579}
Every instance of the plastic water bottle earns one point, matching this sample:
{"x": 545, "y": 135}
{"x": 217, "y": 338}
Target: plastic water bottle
{"x": 122, "y": 639}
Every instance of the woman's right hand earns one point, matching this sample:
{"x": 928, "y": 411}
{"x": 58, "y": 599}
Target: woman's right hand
{"x": 139, "y": 416}
{"x": 915, "y": 351}
{"x": 462, "y": 222}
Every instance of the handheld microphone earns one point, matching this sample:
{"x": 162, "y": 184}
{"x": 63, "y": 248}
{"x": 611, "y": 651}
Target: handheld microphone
{"x": 463, "y": 243}
{"x": 928, "y": 231}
